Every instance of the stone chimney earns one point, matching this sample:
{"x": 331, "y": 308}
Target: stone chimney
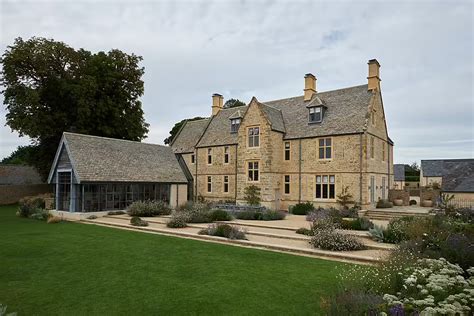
{"x": 374, "y": 75}
{"x": 309, "y": 86}
{"x": 217, "y": 103}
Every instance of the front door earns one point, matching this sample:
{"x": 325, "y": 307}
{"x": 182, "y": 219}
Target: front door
{"x": 64, "y": 190}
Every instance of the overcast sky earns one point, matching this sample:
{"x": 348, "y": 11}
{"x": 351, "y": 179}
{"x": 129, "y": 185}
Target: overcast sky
{"x": 253, "y": 48}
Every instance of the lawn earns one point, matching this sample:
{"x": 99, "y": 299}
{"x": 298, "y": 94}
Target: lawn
{"x": 71, "y": 268}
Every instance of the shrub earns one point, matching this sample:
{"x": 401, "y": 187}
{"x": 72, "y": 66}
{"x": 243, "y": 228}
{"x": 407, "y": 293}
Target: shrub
{"x": 137, "y": 221}
{"x": 361, "y": 223}
{"x": 148, "y": 208}
{"x": 397, "y": 230}
{"x": 377, "y": 233}
{"x": 223, "y": 230}
{"x": 304, "y": 231}
{"x": 193, "y": 213}
{"x": 91, "y": 217}
{"x": 345, "y": 198}
{"x": 271, "y": 215}
{"x": 383, "y": 203}
{"x": 29, "y": 205}
{"x": 412, "y": 202}
{"x": 252, "y": 195}
{"x": 116, "y": 213}
{"x": 177, "y": 221}
{"x": 321, "y": 213}
{"x": 330, "y": 239}
{"x": 350, "y": 212}
{"x": 302, "y": 208}
{"x": 247, "y": 215}
{"x": 220, "y": 215}
{"x": 54, "y": 220}
{"x": 40, "y": 214}
{"x": 265, "y": 215}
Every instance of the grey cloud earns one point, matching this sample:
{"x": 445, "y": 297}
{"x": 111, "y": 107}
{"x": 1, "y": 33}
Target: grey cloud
{"x": 192, "y": 49}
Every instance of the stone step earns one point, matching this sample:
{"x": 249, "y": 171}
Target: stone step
{"x": 362, "y": 256}
{"x": 264, "y": 231}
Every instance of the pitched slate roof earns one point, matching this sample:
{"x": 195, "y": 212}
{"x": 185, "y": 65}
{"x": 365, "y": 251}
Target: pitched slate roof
{"x": 275, "y": 117}
{"x": 218, "y": 131}
{"x": 399, "y": 172}
{"x": 458, "y": 175}
{"x": 189, "y": 135}
{"x": 345, "y": 114}
{"x": 100, "y": 159}
{"x": 432, "y": 168}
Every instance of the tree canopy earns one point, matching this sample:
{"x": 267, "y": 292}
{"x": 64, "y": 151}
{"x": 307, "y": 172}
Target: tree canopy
{"x": 23, "y": 155}
{"x": 231, "y": 103}
{"x": 174, "y": 131}
{"x": 50, "y": 88}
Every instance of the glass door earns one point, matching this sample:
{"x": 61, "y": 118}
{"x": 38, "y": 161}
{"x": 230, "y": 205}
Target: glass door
{"x": 64, "y": 190}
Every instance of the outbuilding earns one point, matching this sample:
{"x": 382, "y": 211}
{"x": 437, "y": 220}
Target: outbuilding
{"x": 92, "y": 173}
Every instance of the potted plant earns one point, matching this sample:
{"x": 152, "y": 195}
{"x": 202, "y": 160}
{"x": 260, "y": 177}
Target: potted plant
{"x": 427, "y": 203}
{"x": 398, "y": 202}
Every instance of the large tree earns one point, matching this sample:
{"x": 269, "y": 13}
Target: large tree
{"x": 50, "y": 88}
{"x": 174, "y": 131}
{"x": 232, "y": 103}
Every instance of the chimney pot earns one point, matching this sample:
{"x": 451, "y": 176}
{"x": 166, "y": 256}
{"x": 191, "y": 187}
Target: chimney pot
{"x": 309, "y": 86}
{"x": 217, "y": 103}
{"x": 374, "y": 75}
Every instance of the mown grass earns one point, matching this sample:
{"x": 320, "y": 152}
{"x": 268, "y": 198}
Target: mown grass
{"x": 72, "y": 268}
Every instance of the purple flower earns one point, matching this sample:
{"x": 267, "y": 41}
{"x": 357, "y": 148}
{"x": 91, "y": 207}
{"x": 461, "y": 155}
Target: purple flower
{"x": 397, "y": 310}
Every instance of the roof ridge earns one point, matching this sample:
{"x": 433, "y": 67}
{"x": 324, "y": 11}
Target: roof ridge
{"x": 300, "y": 96}
{"x": 116, "y": 139}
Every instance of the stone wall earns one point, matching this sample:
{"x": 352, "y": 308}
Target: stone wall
{"x": 432, "y": 195}
{"x": 399, "y": 194}
{"x": 10, "y": 194}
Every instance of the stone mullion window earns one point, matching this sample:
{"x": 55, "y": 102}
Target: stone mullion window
{"x": 209, "y": 184}
{"x": 287, "y": 184}
{"x": 209, "y": 156}
{"x": 325, "y": 148}
{"x": 325, "y": 187}
{"x": 254, "y": 137}
{"x": 226, "y": 154}
{"x": 253, "y": 171}
{"x": 372, "y": 147}
{"x": 226, "y": 184}
{"x": 287, "y": 151}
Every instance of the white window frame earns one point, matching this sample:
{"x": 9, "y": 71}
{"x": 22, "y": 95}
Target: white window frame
{"x": 209, "y": 156}
{"x": 324, "y": 147}
{"x": 226, "y": 154}
{"x": 315, "y": 110}
{"x": 325, "y": 179}
{"x": 254, "y": 137}
{"x": 287, "y": 183}
{"x": 253, "y": 170}
{"x": 234, "y": 125}
{"x": 224, "y": 183}
{"x": 209, "y": 184}
{"x": 287, "y": 150}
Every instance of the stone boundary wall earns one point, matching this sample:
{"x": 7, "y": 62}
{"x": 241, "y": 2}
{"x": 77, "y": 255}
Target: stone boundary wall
{"x": 432, "y": 195}
{"x": 10, "y": 194}
{"x": 399, "y": 194}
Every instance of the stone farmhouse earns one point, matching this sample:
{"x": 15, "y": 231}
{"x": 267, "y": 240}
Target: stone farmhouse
{"x": 453, "y": 176}
{"x": 303, "y": 148}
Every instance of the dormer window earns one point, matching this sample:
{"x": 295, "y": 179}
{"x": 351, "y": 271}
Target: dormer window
{"x": 234, "y": 125}
{"x": 315, "y": 114}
